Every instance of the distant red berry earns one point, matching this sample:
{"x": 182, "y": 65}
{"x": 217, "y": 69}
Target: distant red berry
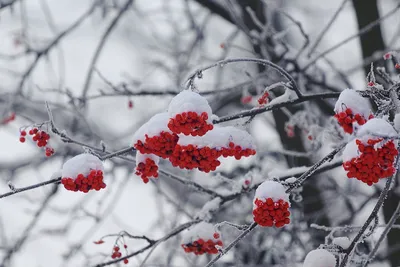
{"x": 23, "y": 133}
{"x": 126, "y": 261}
{"x": 397, "y": 66}
{"x": 130, "y": 104}
{"x": 246, "y": 99}
{"x": 370, "y": 84}
{"x": 98, "y": 242}
{"x": 216, "y": 235}
{"x": 22, "y": 139}
{"x": 246, "y": 182}
{"x": 222, "y": 45}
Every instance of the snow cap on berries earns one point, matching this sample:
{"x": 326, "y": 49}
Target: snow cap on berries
{"x": 187, "y": 101}
{"x": 153, "y": 127}
{"x": 202, "y": 230}
{"x": 142, "y": 158}
{"x": 220, "y": 137}
{"x": 319, "y": 258}
{"x": 81, "y": 164}
{"x": 273, "y": 190}
{"x": 374, "y": 128}
{"x": 351, "y": 99}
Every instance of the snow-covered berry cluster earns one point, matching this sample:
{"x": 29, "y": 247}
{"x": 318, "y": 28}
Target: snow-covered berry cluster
{"x": 190, "y": 114}
{"x": 319, "y": 258}
{"x": 197, "y": 147}
{"x": 271, "y": 205}
{"x": 40, "y": 137}
{"x": 202, "y": 239}
{"x": 146, "y": 166}
{"x": 370, "y": 158}
{"x": 352, "y": 110}
{"x": 83, "y": 173}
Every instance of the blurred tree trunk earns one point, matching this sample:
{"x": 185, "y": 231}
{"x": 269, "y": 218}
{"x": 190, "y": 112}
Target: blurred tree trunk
{"x": 311, "y": 193}
{"x": 372, "y": 41}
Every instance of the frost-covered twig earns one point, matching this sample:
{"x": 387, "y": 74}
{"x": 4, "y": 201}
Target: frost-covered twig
{"x": 199, "y": 72}
{"x": 22, "y": 189}
{"x": 373, "y": 214}
{"x": 388, "y": 227}
{"x": 232, "y": 244}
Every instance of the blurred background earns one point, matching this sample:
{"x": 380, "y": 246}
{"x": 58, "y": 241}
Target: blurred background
{"x": 106, "y": 66}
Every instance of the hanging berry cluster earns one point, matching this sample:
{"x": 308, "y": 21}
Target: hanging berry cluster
{"x": 40, "y": 137}
{"x": 186, "y": 137}
{"x": 352, "y": 110}
{"x": 83, "y": 173}
{"x": 271, "y": 205}
{"x": 369, "y": 158}
{"x": 201, "y": 239}
{"x": 116, "y": 254}
{"x": 263, "y": 98}
{"x": 146, "y": 166}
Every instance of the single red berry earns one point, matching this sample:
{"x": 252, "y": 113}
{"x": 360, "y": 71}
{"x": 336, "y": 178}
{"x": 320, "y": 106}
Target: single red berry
{"x": 397, "y": 66}
{"x": 130, "y": 104}
{"x": 22, "y": 139}
{"x": 98, "y": 242}
{"x": 23, "y": 133}
{"x": 370, "y": 84}
{"x": 216, "y": 235}
{"x": 125, "y": 246}
{"x": 222, "y": 45}
{"x": 126, "y": 261}
{"x": 246, "y": 182}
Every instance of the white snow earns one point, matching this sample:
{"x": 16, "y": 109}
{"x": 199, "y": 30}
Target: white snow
{"x": 377, "y": 127}
{"x": 201, "y": 230}
{"x": 81, "y": 164}
{"x": 153, "y": 127}
{"x": 288, "y": 95}
{"x": 271, "y": 189}
{"x": 343, "y": 242}
{"x": 288, "y": 172}
{"x": 319, "y": 258}
{"x": 291, "y": 180}
{"x": 220, "y": 137}
{"x": 142, "y": 158}
{"x": 350, "y": 151}
{"x": 189, "y": 101}
{"x": 210, "y": 206}
{"x": 351, "y": 99}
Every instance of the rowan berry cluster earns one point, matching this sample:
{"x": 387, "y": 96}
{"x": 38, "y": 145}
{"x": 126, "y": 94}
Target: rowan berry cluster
{"x": 347, "y": 118}
{"x": 201, "y": 246}
{"x": 147, "y": 169}
{"x": 82, "y": 183}
{"x": 263, "y": 98}
{"x": 373, "y": 163}
{"x": 40, "y": 137}
{"x": 190, "y": 123}
{"x": 117, "y": 254}
{"x": 269, "y": 213}
{"x": 162, "y": 145}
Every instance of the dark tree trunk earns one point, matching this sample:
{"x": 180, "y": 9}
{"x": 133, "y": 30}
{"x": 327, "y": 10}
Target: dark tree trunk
{"x": 372, "y": 41}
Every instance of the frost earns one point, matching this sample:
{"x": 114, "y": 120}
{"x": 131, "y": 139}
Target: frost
{"x": 319, "y": 258}
{"x": 153, "y": 127}
{"x": 210, "y": 206}
{"x": 351, "y": 99}
{"x": 189, "y": 101}
{"x": 271, "y": 189}
{"x": 202, "y": 230}
{"x": 343, "y": 242}
{"x": 291, "y": 180}
{"x": 220, "y": 137}
{"x": 81, "y": 164}
{"x": 142, "y": 158}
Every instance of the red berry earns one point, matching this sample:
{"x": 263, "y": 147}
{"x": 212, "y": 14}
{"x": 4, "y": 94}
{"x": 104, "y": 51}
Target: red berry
{"x": 125, "y": 246}
{"x": 130, "y": 104}
{"x": 23, "y": 133}
{"x": 22, "y": 139}
{"x": 397, "y": 66}
{"x": 216, "y": 235}
{"x": 246, "y": 182}
{"x": 126, "y": 261}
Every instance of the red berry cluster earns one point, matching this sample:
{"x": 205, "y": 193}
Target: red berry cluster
{"x": 205, "y": 158}
{"x": 162, "y": 145}
{"x": 49, "y": 151}
{"x": 269, "y": 213}
{"x": 147, "y": 169}
{"x": 39, "y": 136}
{"x": 9, "y": 118}
{"x": 201, "y": 246}
{"x": 190, "y": 123}
{"x": 373, "y": 163}
{"x": 246, "y": 99}
{"x": 84, "y": 184}
{"x": 117, "y": 254}
{"x": 264, "y": 98}
{"x": 347, "y": 118}
{"x": 191, "y": 157}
